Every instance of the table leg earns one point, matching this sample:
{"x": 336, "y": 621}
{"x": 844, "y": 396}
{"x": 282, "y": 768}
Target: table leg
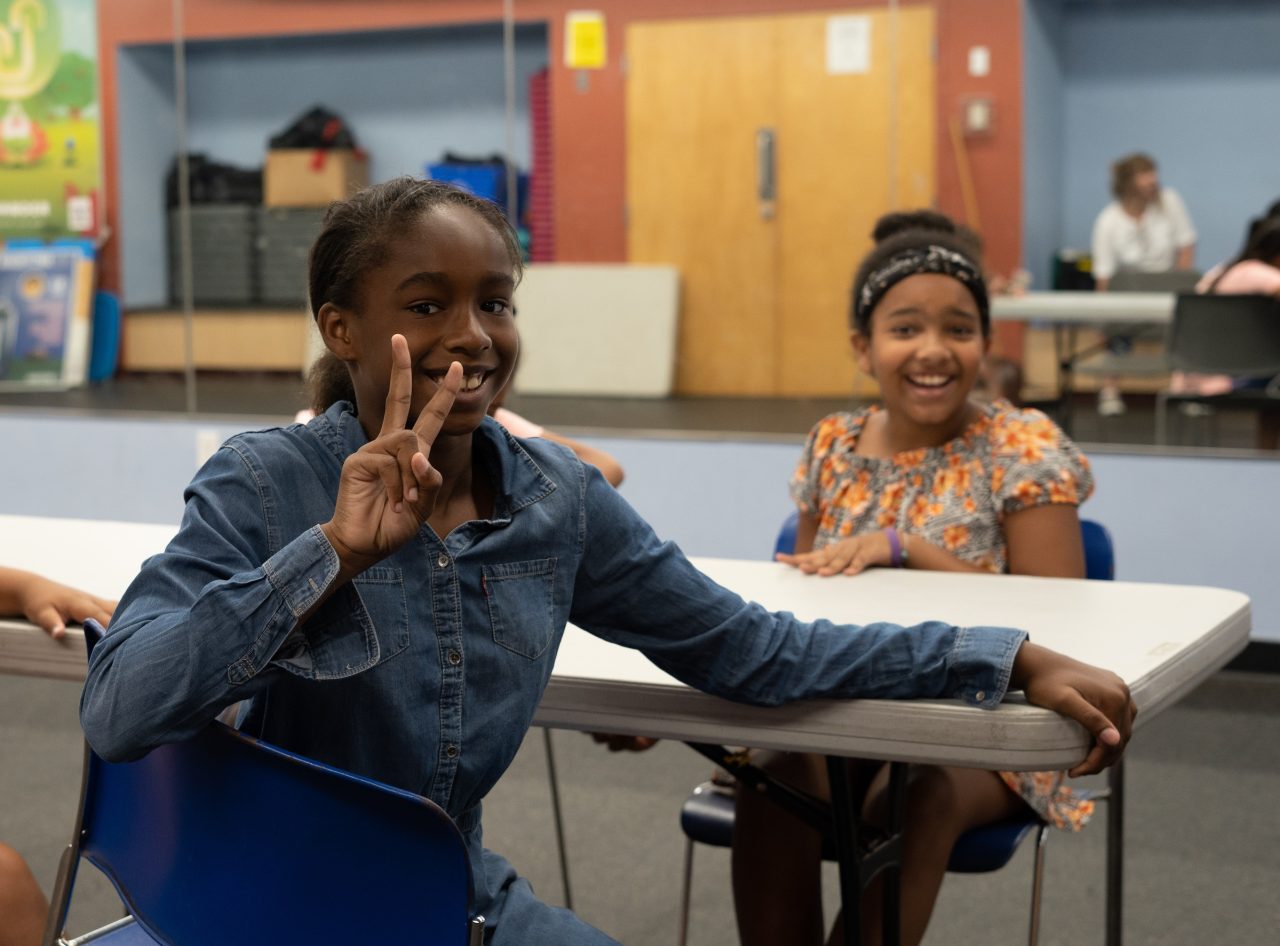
{"x": 859, "y": 865}
{"x": 852, "y": 880}
{"x": 1115, "y": 854}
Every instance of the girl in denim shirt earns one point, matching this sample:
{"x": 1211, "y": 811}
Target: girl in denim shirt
{"x": 385, "y": 587}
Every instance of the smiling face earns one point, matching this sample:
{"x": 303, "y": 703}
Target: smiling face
{"x": 924, "y": 348}
{"x": 446, "y": 283}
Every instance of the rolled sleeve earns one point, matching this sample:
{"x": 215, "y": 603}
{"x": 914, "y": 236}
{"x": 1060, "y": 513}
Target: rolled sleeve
{"x": 981, "y": 663}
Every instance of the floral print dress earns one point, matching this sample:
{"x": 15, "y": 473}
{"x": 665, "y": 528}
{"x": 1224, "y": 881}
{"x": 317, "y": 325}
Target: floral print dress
{"x": 956, "y": 497}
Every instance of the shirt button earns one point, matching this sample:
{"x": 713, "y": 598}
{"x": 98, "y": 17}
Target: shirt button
{"x": 451, "y": 752}
{"x": 980, "y": 695}
{"x": 443, "y": 560}
{"x": 455, "y": 658}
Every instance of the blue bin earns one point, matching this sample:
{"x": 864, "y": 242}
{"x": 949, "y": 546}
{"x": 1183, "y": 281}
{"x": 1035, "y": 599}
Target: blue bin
{"x": 484, "y": 180}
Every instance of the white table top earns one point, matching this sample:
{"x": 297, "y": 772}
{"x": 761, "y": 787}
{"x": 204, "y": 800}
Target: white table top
{"x": 1162, "y": 639}
{"x": 1131, "y": 308}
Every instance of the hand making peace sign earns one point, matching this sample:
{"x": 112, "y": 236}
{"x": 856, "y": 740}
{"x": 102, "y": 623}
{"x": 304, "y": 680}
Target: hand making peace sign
{"x": 388, "y": 487}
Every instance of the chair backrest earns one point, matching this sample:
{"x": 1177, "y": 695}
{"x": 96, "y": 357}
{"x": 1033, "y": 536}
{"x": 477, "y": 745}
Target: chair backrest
{"x": 1232, "y": 334}
{"x": 1173, "y": 280}
{"x": 223, "y": 838}
{"x": 1099, "y": 550}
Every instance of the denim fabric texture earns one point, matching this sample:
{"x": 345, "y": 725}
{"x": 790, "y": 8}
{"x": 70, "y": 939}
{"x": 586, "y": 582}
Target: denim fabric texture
{"x": 424, "y": 672}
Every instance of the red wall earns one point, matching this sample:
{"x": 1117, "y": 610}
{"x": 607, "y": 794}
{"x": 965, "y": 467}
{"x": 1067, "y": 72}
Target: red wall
{"x": 589, "y": 126}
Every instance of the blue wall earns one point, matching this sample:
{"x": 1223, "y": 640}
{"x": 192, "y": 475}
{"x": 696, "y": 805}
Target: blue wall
{"x": 1194, "y": 84}
{"x": 1042, "y": 123}
{"x": 1184, "y": 520}
{"x": 409, "y": 96}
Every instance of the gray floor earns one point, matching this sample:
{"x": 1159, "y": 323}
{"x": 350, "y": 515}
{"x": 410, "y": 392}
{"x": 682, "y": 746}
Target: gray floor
{"x": 1203, "y": 861}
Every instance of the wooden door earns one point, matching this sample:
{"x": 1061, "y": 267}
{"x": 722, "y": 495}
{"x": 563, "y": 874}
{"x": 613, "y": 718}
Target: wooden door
{"x": 766, "y": 284}
{"x": 697, "y": 93}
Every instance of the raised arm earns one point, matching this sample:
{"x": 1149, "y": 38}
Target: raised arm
{"x": 231, "y": 605}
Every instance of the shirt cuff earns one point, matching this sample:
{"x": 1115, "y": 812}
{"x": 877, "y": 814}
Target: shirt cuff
{"x": 981, "y": 663}
{"x": 302, "y": 570}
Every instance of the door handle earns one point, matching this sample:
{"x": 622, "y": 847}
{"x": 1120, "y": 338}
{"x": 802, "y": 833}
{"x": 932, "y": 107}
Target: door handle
{"x": 766, "y": 176}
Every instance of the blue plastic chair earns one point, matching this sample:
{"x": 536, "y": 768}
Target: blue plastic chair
{"x": 224, "y": 839}
{"x": 707, "y": 815}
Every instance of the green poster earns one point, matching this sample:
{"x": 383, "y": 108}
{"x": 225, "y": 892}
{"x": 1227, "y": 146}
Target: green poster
{"x": 50, "y": 161}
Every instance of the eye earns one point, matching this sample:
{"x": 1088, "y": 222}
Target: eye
{"x": 902, "y": 330}
{"x": 963, "y": 331}
{"x": 498, "y": 307}
{"x": 424, "y": 308}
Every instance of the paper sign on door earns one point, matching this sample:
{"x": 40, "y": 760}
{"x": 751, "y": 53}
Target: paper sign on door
{"x": 848, "y": 45}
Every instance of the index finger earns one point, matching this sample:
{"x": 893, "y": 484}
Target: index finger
{"x": 432, "y": 417}
{"x": 400, "y": 390}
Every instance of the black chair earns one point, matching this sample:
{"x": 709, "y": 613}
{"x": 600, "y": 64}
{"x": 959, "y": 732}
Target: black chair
{"x": 707, "y": 815}
{"x": 1237, "y": 335}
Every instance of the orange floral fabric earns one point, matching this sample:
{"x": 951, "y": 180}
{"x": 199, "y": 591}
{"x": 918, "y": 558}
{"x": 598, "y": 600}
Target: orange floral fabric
{"x": 955, "y": 497}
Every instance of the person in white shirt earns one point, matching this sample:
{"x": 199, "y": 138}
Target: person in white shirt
{"x": 1146, "y": 228}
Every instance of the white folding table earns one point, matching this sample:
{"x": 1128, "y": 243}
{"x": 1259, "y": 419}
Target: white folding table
{"x": 1162, "y": 640}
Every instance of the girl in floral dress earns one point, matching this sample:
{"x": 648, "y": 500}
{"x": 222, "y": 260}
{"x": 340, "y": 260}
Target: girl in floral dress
{"x": 929, "y": 478}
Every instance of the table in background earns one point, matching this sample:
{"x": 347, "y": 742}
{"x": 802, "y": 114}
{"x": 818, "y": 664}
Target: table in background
{"x": 1126, "y": 313}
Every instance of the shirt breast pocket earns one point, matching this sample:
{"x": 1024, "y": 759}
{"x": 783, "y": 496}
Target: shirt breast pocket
{"x": 520, "y": 596}
{"x": 363, "y": 624}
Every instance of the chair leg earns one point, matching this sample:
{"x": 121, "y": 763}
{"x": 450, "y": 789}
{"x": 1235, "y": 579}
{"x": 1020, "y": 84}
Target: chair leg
{"x": 1162, "y": 419}
{"x": 1115, "y": 853}
{"x": 686, "y": 890}
{"x": 557, "y": 817}
{"x": 1037, "y": 884}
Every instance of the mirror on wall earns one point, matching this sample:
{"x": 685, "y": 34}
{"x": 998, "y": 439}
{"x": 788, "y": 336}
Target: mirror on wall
{"x": 727, "y": 166}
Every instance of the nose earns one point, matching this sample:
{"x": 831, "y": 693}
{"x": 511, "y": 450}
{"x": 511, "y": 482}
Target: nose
{"x": 932, "y": 347}
{"x": 465, "y": 333}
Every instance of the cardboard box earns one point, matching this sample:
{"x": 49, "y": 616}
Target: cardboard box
{"x": 305, "y": 177}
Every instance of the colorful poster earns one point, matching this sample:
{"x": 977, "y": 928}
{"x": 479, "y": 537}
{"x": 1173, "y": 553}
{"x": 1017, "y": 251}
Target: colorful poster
{"x": 45, "y": 297}
{"x": 50, "y": 161}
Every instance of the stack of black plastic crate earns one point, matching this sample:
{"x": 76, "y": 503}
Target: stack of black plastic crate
{"x": 242, "y": 254}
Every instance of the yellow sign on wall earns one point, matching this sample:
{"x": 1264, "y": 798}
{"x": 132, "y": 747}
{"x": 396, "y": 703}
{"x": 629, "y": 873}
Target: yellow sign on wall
{"x": 584, "y": 40}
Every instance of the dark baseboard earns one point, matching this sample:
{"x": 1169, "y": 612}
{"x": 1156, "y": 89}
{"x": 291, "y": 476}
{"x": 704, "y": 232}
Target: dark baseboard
{"x": 1258, "y": 657}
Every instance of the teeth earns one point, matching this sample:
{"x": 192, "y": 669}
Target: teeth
{"x": 472, "y": 381}
{"x": 929, "y": 380}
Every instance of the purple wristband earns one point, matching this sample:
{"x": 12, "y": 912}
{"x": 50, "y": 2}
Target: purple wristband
{"x": 896, "y": 556}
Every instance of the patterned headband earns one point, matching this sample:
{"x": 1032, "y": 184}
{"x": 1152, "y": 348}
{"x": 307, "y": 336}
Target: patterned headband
{"x": 931, "y": 259}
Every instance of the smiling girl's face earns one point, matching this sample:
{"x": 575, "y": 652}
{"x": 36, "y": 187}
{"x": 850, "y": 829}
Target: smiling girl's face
{"x": 446, "y": 284}
{"x": 925, "y": 348}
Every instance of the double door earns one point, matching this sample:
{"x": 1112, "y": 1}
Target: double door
{"x": 757, "y": 164}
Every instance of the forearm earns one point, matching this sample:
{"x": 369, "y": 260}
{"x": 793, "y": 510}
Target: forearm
{"x": 171, "y": 663}
{"x": 928, "y": 557}
{"x": 1186, "y": 257}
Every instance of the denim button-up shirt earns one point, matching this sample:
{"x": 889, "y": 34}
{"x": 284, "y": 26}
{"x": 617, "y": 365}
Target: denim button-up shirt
{"x": 424, "y": 672}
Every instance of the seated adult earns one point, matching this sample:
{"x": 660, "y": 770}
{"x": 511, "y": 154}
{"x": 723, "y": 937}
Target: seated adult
{"x": 1255, "y": 271}
{"x": 1146, "y": 228}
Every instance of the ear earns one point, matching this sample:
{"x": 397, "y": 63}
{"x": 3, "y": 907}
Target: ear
{"x": 335, "y": 330}
{"x": 862, "y": 352}
{"x": 986, "y": 345}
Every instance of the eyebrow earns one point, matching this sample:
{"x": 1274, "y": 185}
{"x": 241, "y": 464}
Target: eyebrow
{"x": 443, "y": 279}
{"x": 907, "y": 310}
